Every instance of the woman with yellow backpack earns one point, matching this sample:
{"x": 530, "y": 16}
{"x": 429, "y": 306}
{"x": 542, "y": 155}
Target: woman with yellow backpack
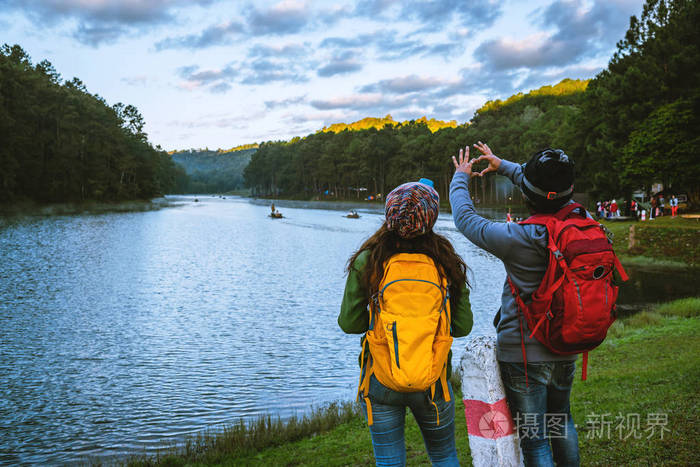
{"x": 407, "y": 292}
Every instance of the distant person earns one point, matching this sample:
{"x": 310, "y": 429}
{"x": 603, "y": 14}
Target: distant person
{"x": 537, "y": 381}
{"x": 654, "y": 208}
{"x": 406, "y": 358}
{"x": 614, "y": 209}
{"x": 272, "y": 207}
{"x": 674, "y": 205}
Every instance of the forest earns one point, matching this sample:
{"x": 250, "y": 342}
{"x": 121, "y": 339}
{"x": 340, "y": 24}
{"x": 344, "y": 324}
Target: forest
{"x": 210, "y": 171}
{"x": 636, "y": 123}
{"x": 62, "y": 144}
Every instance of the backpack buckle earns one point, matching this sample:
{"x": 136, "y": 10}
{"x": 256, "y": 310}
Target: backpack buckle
{"x": 551, "y": 194}
{"x": 549, "y": 314}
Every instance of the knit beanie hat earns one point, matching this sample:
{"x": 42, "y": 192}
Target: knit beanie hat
{"x": 548, "y": 180}
{"x": 412, "y": 208}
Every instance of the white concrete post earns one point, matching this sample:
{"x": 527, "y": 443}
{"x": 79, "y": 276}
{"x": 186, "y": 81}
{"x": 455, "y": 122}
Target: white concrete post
{"x": 490, "y": 426}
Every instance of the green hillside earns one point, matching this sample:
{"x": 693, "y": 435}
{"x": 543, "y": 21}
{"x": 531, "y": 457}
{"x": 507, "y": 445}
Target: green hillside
{"x": 379, "y": 123}
{"x": 217, "y": 171}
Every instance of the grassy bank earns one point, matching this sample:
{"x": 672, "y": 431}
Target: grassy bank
{"x": 31, "y": 208}
{"x": 664, "y": 241}
{"x": 649, "y": 366}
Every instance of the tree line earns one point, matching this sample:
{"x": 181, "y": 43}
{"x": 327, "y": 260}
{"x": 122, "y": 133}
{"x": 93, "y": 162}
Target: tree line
{"x": 634, "y": 124}
{"x": 60, "y": 143}
{"x": 219, "y": 171}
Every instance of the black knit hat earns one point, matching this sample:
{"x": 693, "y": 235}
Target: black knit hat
{"x": 548, "y": 180}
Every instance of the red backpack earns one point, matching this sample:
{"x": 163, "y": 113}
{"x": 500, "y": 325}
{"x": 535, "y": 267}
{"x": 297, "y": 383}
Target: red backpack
{"x": 572, "y": 309}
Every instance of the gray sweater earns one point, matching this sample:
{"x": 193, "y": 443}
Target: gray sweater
{"x": 523, "y": 250}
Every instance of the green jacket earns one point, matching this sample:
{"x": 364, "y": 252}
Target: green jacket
{"x": 354, "y": 315}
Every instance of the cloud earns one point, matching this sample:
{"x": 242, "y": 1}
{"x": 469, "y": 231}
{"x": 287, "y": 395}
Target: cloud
{"x": 96, "y": 34}
{"x": 360, "y": 40}
{"x": 362, "y": 102}
{"x": 536, "y": 51}
{"x": 536, "y": 80}
{"x": 440, "y": 12}
{"x": 279, "y": 51}
{"x": 373, "y": 8}
{"x": 102, "y": 21}
{"x": 209, "y": 121}
{"x": 404, "y": 85}
{"x": 256, "y": 72}
{"x": 388, "y": 45}
{"x": 339, "y": 68}
{"x": 216, "y": 80}
{"x": 341, "y": 64}
{"x": 325, "y": 116}
{"x": 269, "y": 105}
{"x": 219, "y": 34}
{"x": 266, "y": 71}
{"x": 220, "y": 88}
{"x": 140, "y": 80}
{"x": 432, "y": 13}
{"x": 579, "y": 32}
{"x": 285, "y": 17}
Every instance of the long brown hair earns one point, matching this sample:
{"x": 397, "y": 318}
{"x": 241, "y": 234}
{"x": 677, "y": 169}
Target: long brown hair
{"x": 385, "y": 243}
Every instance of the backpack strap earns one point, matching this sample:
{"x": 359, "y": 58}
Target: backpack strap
{"x": 520, "y": 305}
{"x": 618, "y": 267}
{"x": 366, "y": 372}
{"x": 568, "y": 209}
{"x": 562, "y": 214}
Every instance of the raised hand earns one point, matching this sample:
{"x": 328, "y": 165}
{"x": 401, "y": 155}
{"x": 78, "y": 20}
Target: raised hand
{"x": 463, "y": 164}
{"x": 494, "y": 162}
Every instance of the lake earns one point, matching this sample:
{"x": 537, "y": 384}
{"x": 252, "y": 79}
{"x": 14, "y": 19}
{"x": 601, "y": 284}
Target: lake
{"x": 125, "y": 332}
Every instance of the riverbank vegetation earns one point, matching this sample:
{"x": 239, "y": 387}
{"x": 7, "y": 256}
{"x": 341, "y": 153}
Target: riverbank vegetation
{"x": 647, "y": 368}
{"x": 62, "y": 144}
{"x": 664, "y": 241}
{"x": 633, "y": 125}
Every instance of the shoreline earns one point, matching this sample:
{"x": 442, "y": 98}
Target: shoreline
{"x": 641, "y": 351}
{"x": 32, "y": 209}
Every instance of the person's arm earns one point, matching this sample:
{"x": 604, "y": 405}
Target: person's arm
{"x": 495, "y": 237}
{"x": 354, "y": 317}
{"x": 462, "y": 319}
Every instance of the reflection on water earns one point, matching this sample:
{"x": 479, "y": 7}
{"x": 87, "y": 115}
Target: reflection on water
{"x": 121, "y": 332}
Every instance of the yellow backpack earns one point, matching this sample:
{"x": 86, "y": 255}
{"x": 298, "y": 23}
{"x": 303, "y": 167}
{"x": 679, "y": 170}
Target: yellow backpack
{"x": 409, "y": 331}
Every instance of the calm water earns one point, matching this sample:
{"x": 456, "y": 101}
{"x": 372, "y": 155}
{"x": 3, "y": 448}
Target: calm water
{"x": 125, "y": 332}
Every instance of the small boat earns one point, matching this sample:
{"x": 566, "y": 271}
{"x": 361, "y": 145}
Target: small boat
{"x": 352, "y": 215}
{"x": 276, "y": 215}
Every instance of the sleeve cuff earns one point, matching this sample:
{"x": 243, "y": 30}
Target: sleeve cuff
{"x": 506, "y": 167}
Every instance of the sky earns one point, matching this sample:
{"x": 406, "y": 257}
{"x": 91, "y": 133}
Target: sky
{"x": 218, "y": 74}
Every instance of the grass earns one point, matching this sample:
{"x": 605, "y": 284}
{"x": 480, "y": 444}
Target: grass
{"x": 665, "y": 242}
{"x": 238, "y": 440}
{"x": 649, "y": 365}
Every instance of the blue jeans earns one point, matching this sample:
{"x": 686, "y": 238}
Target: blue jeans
{"x": 541, "y": 411}
{"x": 389, "y": 413}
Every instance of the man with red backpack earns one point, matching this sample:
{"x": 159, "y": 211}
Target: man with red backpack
{"x": 558, "y": 298}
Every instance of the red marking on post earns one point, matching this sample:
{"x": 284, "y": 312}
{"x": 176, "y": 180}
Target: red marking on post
{"x": 491, "y": 421}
